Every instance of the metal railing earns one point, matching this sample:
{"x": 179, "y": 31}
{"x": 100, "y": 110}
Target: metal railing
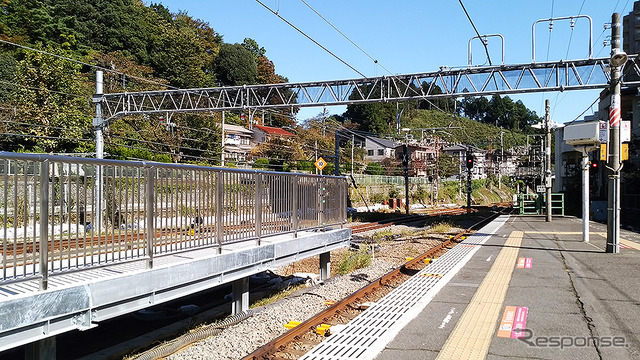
{"x": 145, "y": 210}
{"x": 533, "y": 204}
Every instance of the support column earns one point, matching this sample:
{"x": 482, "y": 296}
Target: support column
{"x": 547, "y": 159}
{"x": 585, "y": 195}
{"x": 325, "y": 266}
{"x": 44, "y": 349}
{"x": 98, "y": 124}
{"x": 618, "y": 59}
{"x": 240, "y": 296}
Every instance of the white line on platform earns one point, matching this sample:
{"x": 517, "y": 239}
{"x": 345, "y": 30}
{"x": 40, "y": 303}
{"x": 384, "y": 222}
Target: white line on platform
{"x": 447, "y": 318}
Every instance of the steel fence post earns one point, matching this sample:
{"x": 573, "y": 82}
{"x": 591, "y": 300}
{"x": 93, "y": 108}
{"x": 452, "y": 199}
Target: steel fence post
{"x": 258, "y": 207}
{"x": 219, "y": 201}
{"x": 294, "y": 209}
{"x": 44, "y": 225}
{"x": 150, "y": 207}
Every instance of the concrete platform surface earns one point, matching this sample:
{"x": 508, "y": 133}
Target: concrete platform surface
{"x": 533, "y": 290}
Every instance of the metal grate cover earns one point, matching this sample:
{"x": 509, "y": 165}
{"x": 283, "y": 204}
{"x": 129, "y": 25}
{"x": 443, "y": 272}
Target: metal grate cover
{"x": 371, "y": 331}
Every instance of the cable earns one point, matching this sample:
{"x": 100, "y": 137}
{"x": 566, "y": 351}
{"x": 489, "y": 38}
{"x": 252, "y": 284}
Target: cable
{"x": 486, "y": 48}
{"x": 47, "y": 137}
{"x": 375, "y": 61}
{"x": 310, "y": 38}
{"x": 38, "y": 125}
{"x": 87, "y": 64}
{"x": 42, "y": 89}
{"x": 571, "y": 36}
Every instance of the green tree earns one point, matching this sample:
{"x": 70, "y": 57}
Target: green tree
{"x": 235, "y": 65}
{"x": 448, "y": 165}
{"x": 49, "y": 95}
{"x": 254, "y": 48}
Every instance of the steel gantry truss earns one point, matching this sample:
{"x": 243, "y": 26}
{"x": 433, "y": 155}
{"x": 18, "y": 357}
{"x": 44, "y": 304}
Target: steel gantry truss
{"x": 562, "y": 75}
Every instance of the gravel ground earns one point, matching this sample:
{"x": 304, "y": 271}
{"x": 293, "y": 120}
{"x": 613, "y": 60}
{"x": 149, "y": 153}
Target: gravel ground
{"x": 242, "y": 339}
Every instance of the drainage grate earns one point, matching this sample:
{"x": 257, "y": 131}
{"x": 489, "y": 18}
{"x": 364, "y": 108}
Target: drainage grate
{"x": 371, "y": 331}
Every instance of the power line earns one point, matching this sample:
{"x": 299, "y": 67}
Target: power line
{"x": 39, "y": 125}
{"x": 375, "y": 61}
{"x": 486, "y": 48}
{"x": 42, "y": 89}
{"x": 47, "y": 137}
{"x": 310, "y": 38}
{"x": 87, "y": 64}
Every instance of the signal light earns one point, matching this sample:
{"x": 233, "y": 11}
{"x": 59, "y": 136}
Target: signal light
{"x": 469, "y": 161}
{"x": 594, "y": 166}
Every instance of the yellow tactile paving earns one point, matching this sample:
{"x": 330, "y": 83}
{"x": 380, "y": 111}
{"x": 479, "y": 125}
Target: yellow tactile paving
{"x": 630, "y": 244}
{"x": 555, "y": 232}
{"x": 625, "y": 242}
{"x": 472, "y": 335}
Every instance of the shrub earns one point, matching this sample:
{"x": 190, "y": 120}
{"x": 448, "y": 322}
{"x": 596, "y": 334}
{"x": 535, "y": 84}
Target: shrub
{"x": 354, "y": 261}
{"x": 441, "y": 228}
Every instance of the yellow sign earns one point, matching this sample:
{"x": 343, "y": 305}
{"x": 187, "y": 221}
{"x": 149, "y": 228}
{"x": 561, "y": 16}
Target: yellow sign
{"x": 624, "y": 154}
{"x": 320, "y": 163}
{"x": 603, "y": 152}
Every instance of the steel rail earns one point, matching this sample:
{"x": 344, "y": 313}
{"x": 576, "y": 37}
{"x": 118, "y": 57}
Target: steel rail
{"x": 296, "y": 333}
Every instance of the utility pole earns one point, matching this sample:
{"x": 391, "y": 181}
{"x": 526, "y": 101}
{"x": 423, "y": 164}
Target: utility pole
{"x": 353, "y": 139}
{"x": 405, "y": 163}
{"x": 222, "y": 145}
{"x": 501, "y": 160}
{"x": 618, "y": 58}
{"x": 547, "y": 157}
{"x": 98, "y": 124}
{"x": 337, "y": 153}
{"x": 469, "y": 164}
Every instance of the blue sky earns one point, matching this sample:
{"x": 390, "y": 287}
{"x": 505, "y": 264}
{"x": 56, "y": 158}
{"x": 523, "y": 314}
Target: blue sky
{"x": 409, "y": 36}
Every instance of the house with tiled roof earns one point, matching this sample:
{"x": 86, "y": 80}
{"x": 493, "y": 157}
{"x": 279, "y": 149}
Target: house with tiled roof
{"x": 262, "y": 133}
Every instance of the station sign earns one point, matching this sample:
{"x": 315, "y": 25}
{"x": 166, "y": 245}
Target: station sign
{"x": 603, "y": 132}
{"x": 541, "y": 188}
{"x": 625, "y": 131}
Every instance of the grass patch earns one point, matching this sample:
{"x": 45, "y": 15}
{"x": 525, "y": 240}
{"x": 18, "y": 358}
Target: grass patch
{"x": 441, "y": 228}
{"x": 277, "y": 296}
{"x": 354, "y": 261}
{"x": 382, "y": 234}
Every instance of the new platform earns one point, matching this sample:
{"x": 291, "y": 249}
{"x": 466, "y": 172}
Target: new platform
{"x": 519, "y": 288}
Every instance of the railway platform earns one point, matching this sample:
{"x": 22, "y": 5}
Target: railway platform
{"x": 520, "y": 288}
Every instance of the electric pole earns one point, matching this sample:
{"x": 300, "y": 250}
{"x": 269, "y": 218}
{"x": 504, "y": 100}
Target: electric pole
{"x": 222, "y": 145}
{"x": 618, "y": 58}
{"x": 98, "y": 124}
{"x": 547, "y": 157}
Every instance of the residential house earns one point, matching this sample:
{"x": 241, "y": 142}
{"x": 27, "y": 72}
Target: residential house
{"x": 421, "y": 158}
{"x": 502, "y": 162}
{"x": 237, "y": 143}
{"x": 263, "y": 133}
{"x": 479, "y": 170}
{"x": 379, "y": 149}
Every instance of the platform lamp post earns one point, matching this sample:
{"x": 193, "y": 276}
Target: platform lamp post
{"x": 618, "y": 58}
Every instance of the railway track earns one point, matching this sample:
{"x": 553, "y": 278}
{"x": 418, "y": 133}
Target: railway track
{"x": 129, "y": 240}
{"x": 298, "y": 340}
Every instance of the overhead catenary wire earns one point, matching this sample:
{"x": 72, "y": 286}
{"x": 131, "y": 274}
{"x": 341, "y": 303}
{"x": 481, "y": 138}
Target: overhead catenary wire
{"x": 375, "y": 61}
{"x": 486, "y": 48}
{"x": 311, "y": 39}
